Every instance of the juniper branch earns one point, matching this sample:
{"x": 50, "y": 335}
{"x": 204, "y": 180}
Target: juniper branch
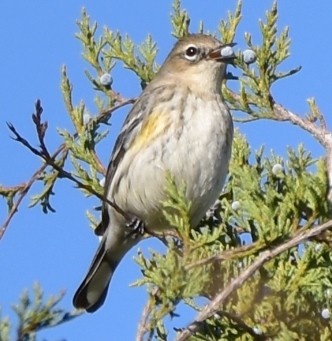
{"x": 235, "y": 284}
{"x": 319, "y": 131}
{"x": 50, "y": 159}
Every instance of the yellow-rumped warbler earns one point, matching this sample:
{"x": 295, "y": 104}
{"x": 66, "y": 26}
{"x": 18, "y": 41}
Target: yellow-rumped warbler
{"x": 180, "y": 124}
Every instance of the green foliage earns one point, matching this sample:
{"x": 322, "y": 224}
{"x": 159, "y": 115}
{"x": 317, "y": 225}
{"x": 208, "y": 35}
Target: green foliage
{"x": 176, "y": 208}
{"x": 34, "y": 314}
{"x": 255, "y": 97}
{"x": 287, "y": 296}
{"x": 180, "y": 20}
{"x": 227, "y": 28}
{"x": 5, "y": 326}
{"x": 9, "y": 193}
{"x": 143, "y": 64}
{"x": 275, "y": 204}
{"x": 48, "y": 177}
{"x": 268, "y": 200}
{"x": 289, "y": 293}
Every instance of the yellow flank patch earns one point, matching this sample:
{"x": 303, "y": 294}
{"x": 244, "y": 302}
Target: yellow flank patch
{"x": 153, "y": 126}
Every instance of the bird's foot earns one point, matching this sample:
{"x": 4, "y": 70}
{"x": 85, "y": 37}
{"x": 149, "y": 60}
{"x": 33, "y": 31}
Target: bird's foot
{"x": 135, "y": 226}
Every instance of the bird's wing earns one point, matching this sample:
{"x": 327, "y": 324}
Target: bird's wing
{"x": 131, "y": 127}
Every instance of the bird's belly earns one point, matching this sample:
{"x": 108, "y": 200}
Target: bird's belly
{"x": 197, "y": 156}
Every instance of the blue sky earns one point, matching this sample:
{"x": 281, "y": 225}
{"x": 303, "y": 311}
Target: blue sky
{"x": 37, "y": 38}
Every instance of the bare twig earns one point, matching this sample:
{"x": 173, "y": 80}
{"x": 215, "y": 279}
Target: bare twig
{"x": 50, "y": 161}
{"x": 41, "y": 127}
{"x": 142, "y": 325}
{"x": 62, "y": 148}
{"x": 236, "y": 283}
{"x": 24, "y": 192}
{"x": 106, "y": 113}
{"x": 281, "y": 113}
{"x": 319, "y": 131}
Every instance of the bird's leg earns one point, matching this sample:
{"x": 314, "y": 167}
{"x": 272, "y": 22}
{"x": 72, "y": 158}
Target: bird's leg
{"x": 136, "y": 227}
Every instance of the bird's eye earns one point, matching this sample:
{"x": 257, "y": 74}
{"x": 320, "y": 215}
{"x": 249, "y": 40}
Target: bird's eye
{"x": 191, "y": 52}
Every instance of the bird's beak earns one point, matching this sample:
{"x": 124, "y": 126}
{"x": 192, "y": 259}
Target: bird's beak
{"x": 224, "y": 53}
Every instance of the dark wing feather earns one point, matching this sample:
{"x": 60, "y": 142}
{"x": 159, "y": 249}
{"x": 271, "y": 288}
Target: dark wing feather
{"x": 129, "y": 131}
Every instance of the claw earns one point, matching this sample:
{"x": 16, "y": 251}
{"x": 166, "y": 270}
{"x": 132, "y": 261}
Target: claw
{"x": 135, "y": 226}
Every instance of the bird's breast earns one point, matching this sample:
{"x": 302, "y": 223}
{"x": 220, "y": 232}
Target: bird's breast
{"x": 192, "y": 142}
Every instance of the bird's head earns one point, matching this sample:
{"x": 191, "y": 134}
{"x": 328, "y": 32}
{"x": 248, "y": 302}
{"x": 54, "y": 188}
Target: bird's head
{"x": 198, "y": 60}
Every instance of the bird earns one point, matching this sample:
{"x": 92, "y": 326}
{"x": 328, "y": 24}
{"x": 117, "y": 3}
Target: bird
{"x": 181, "y": 125}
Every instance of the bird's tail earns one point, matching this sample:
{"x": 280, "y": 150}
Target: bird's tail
{"x": 92, "y": 292}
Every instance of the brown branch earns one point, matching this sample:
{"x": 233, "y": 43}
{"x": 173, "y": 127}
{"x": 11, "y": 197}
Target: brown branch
{"x": 320, "y": 132}
{"x": 281, "y": 113}
{"x": 51, "y": 161}
{"x": 24, "y": 192}
{"x": 65, "y": 174}
{"x": 236, "y": 283}
{"x": 142, "y": 325}
{"x": 105, "y": 113}
{"x": 62, "y": 148}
